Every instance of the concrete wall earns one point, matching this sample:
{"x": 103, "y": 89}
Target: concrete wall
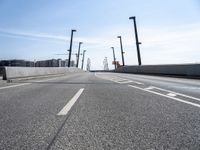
{"x": 22, "y": 72}
{"x": 192, "y": 70}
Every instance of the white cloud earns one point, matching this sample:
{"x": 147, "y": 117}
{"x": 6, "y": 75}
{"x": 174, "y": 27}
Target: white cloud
{"x": 160, "y": 45}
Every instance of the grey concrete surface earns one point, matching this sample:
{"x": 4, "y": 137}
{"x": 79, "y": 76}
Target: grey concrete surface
{"x": 21, "y": 72}
{"x": 108, "y": 115}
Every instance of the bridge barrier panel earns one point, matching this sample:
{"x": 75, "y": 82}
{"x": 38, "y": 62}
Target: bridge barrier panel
{"x": 192, "y": 70}
{"x": 1, "y": 71}
{"x": 23, "y": 72}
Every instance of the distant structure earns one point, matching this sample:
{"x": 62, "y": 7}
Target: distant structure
{"x": 116, "y": 63}
{"x": 18, "y": 63}
{"x": 88, "y": 64}
{"x": 43, "y": 63}
{"x": 105, "y": 64}
{"x": 51, "y": 63}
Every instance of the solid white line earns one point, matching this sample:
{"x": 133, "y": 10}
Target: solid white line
{"x": 138, "y": 83}
{"x": 117, "y": 79}
{"x": 149, "y": 88}
{"x": 61, "y": 77}
{"x": 174, "y": 98}
{"x": 17, "y": 85}
{"x": 178, "y": 93}
{"x": 134, "y": 81}
{"x": 11, "y": 86}
{"x": 69, "y": 105}
{"x": 42, "y": 76}
{"x": 171, "y": 94}
{"x": 124, "y": 82}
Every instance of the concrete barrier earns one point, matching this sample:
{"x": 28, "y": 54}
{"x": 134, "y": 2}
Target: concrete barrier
{"x": 23, "y": 72}
{"x": 2, "y": 71}
{"x": 189, "y": 70}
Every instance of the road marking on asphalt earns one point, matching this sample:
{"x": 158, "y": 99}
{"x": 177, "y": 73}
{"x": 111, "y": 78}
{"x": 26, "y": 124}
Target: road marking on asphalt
{"x": 117, "y": 79}
{"x": 11, "y": 86}
{"x": 174, "y": 98}
{"x": 124, "y": 82}
{"x": 17, "y": 85}
{"x": 191, "y": 97}
{"x": 149, "y": 88}
{"x": 51, "y": 79}
{"x": 171, "y": 94}
{"x": 69, "y": 105}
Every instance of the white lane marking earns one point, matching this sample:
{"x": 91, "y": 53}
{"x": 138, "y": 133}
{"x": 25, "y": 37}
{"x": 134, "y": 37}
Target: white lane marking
{"x": 124, "y": 82}
{"x": 138, "y": 83}
{"x": 174, "y": 98}
{"x": 117, "y": 79}
{"x": 11, "y": 86}
{"x": 149, "y": 88}
{"x": 171, "y": 94}
{"x": 42, "y": 76}
{"x": 191, "y": 97}
{"x": 129, "y": 81}
{"x": 69, "y": 105}
{"x": 52, "y": 79}
{"x": 125, "y": 79}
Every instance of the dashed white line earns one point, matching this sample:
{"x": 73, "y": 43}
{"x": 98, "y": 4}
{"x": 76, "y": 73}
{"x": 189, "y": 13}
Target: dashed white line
{"x": 69, "y": 105}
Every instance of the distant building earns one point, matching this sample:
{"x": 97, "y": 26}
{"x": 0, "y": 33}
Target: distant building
{"x": 54, "y": 63}
{"x": 16, "y": 62}
{"x": 47, "y": 63}
{"x": 42, "y": 63}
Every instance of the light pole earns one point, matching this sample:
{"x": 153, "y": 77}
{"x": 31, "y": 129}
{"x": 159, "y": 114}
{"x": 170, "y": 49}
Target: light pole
{"x": 70, "y": 49}
{"x": 78, "y": 54}
{"x": 83, "y": 58}
{"x": 121, "y": 50}
{"x": 114, "y": 59}
{"x": 137, "y": 41}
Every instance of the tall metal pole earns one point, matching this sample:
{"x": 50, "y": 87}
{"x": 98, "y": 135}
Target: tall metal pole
{"x": 121, "y": 50}
{"x": 70, "y": 50}
{"x": 79, "y": 48}
{"x": 137, "y": 41}
{"x": 114, "y": 59}
{"x": 83, "y": 59}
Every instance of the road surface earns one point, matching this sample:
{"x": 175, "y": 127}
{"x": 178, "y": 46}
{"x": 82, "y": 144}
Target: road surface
{"x": 100, "y": 111}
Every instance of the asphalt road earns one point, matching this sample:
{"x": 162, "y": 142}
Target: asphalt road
{"x": 100, "y": 111}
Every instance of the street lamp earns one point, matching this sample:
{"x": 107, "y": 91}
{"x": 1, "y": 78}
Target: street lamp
{"x": 78, "y": 54}
{"x": 137, "y": 41}
{"x": 83, "y": 58}
{"x": 121, "y": 50}
{"x": 70, "y": 49}
{"x": 114, "y": 59}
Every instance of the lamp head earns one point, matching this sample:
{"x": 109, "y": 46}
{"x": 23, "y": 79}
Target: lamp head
{"x": 132, "y": 17}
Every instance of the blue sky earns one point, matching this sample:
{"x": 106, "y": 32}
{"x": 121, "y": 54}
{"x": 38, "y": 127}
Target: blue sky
{"x": 39, "y": 29}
